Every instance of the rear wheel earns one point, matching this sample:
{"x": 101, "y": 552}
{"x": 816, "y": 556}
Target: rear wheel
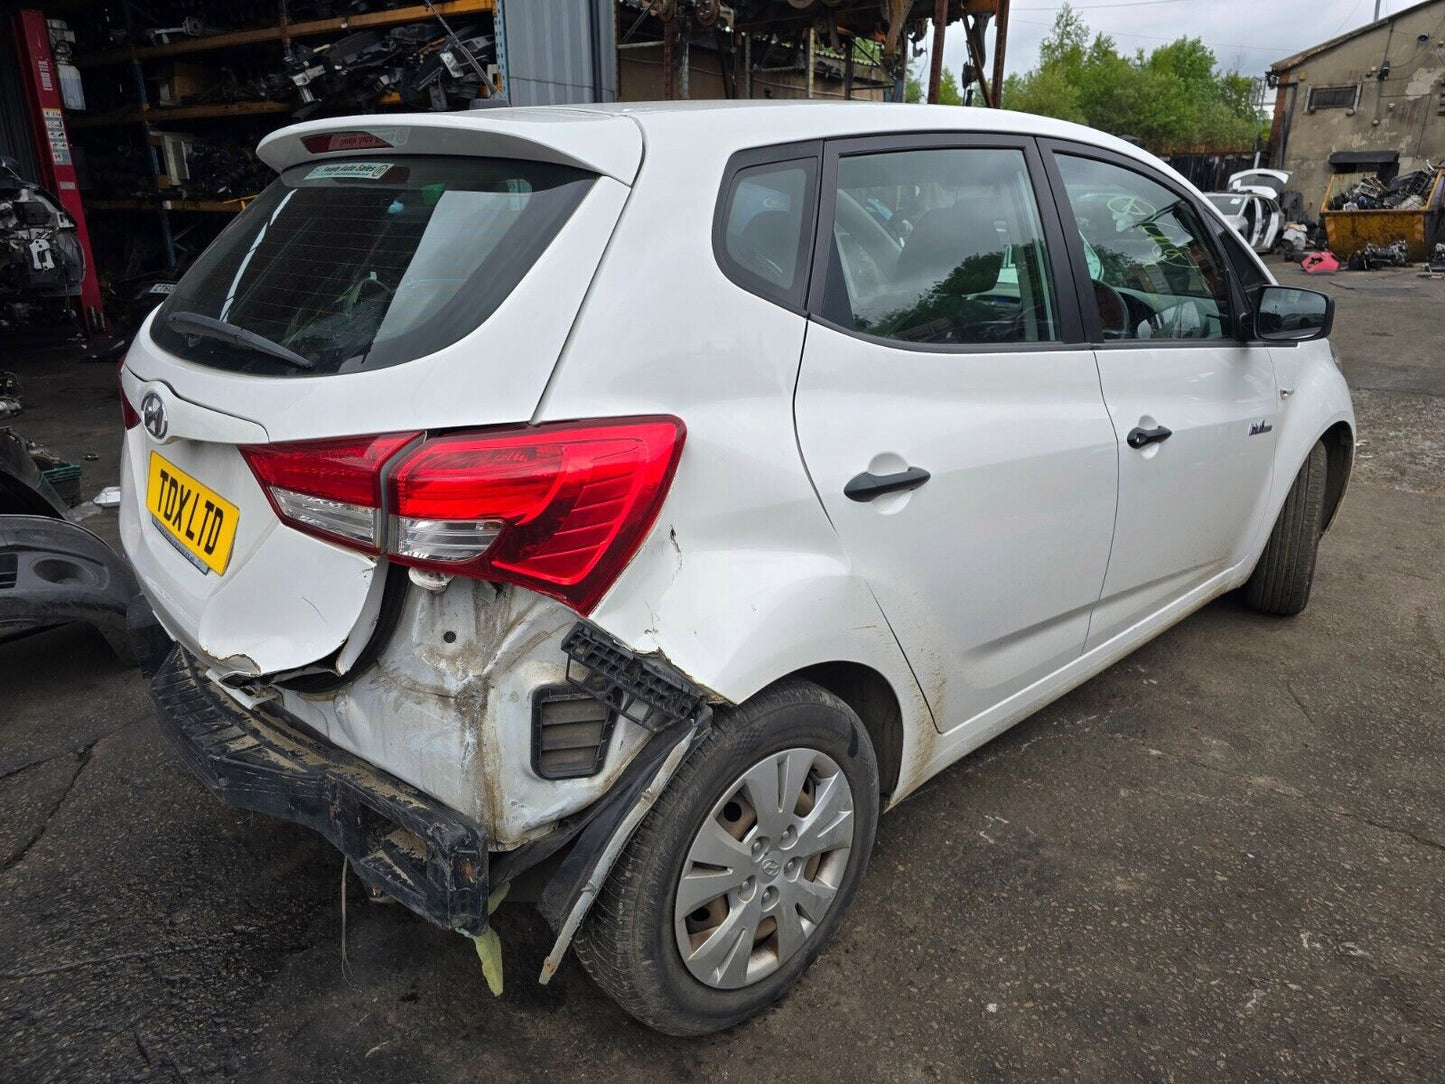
{"x": 1281, "y": 581}
{"x": 738, "y": 877}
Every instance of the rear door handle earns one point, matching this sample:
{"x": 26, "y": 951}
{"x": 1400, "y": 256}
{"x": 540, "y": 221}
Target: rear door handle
{"x": 865, "y": 486}
{"x": 1138, "y": 438}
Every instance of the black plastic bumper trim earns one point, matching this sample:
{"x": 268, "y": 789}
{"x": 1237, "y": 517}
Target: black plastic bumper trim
{"x": 400, "y": 841}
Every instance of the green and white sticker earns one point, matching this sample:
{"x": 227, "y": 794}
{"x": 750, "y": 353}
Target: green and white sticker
{"x": 363, "y": 171}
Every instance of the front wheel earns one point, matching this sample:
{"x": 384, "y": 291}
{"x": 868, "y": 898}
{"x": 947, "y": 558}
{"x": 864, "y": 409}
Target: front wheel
{"x": 1281, "y": 581}
{"x": 737, "y": 878}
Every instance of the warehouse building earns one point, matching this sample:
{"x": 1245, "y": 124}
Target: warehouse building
{"x": 1370, "y": 100}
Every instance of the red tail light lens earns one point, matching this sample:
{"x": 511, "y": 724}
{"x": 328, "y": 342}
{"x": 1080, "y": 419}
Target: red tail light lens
{"x": 330, "y": 488}
{"x": 127, "y": 412}
{"x": 558, "y": 508}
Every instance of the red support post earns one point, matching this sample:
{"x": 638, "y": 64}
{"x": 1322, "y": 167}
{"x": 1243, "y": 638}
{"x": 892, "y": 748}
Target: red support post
{"x": 52, "y": 146}
{"x": 935, "y": 65}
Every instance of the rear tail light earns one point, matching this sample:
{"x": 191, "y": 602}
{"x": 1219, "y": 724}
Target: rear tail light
{"x": 127, "y": 412}
{"x": 330, "y": 488}
{"x": 559, "y": 508}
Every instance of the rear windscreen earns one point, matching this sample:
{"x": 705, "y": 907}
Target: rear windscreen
{"x": 356, "y": 264}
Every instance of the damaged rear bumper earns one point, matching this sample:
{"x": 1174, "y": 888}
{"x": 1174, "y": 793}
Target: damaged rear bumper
{"x": 400, "y": 841}
{"x": 53, "y": 571}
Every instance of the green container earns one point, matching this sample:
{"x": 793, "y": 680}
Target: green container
{"x": 65, "y": 480}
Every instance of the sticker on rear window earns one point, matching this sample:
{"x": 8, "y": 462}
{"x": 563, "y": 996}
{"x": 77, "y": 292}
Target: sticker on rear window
{"x": 366, "y": 171}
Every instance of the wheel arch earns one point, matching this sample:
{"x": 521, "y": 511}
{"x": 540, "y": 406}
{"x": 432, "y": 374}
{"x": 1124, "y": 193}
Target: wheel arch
{"x": 1339, "y": 442}
{"x": 873, "y": 700}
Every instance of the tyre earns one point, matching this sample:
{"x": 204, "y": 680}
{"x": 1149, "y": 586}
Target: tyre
{"x": 1281, "y": 581}
{"x": 740, "y": 874}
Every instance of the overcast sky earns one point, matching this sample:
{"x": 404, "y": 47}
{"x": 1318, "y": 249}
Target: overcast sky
{"x": 1245, "y": 34}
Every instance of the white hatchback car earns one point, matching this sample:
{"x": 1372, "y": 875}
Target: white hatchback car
{"x": 625, "y": 504}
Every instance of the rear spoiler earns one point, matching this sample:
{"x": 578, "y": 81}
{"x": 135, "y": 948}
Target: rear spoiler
{"x": 599, "y": 142}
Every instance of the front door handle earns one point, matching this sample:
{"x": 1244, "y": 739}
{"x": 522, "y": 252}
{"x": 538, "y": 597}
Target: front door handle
{"x": 1138, "y": 438}
{"x": 865, "y": 486}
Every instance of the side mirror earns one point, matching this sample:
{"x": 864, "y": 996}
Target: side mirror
{"x": 1284, "y": 314}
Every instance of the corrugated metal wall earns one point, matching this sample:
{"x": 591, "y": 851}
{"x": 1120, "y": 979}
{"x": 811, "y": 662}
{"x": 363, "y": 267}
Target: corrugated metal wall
{"x": 559, "y": 52}
{"x": 16, "y": 136}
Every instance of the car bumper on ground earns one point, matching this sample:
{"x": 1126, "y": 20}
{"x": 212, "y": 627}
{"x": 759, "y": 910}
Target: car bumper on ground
{"x": 53, "y": 571}
{"x": 399, "y": 841}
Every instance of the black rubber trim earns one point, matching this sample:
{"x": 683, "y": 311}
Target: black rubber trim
{"x": 400, "y": 841}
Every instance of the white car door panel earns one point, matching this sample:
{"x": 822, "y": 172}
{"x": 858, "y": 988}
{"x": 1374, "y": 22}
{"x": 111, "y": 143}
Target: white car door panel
{"x": 1188, "y": 505}
{"x": 963, "y": 454}
{"x": 987, "y": 572}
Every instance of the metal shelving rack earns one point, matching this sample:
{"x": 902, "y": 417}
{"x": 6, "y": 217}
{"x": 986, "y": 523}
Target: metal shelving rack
{"x": 148, "y": 115}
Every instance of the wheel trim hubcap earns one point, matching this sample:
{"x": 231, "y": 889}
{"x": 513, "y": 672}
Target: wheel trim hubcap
{"x": 764, "y": 868}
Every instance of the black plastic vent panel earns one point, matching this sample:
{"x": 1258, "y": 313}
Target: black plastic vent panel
{"x": 645, "y": 691}
{"x": 571, "y": 731}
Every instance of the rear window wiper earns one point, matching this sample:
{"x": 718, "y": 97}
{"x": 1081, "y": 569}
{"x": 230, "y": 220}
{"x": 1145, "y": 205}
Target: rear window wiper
{"x": 193, "y": 323}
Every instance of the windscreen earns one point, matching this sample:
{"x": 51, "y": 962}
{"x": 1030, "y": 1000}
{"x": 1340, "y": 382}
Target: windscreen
{"x": 360, "y": 263}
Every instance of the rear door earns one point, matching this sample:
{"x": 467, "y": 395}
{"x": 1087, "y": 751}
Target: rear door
{"x": 949, "y": 417}
{"x": 1193, "y": 406}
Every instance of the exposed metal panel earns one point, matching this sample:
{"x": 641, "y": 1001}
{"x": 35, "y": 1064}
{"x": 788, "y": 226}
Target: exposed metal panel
{"x": 560, "y": 52}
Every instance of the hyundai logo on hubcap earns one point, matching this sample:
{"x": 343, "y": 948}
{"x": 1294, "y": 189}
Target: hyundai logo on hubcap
{"x": 772, "y": 867}
{"x": 153, "y": 415}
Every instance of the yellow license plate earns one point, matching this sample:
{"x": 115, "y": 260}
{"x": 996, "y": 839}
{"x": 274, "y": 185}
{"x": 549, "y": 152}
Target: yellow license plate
{"x": 195, "y": 519}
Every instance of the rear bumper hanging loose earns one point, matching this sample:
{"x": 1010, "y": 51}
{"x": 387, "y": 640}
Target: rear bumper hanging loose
{"x": 400, "y": 841}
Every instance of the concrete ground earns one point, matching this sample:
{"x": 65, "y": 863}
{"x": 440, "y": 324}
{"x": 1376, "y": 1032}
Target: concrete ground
{"x": 1221, "y": 859}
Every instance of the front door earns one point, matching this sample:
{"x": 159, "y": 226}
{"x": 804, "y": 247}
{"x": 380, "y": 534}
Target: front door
{"x": 956, "y": 436}
{"x": 1193, "y": 407}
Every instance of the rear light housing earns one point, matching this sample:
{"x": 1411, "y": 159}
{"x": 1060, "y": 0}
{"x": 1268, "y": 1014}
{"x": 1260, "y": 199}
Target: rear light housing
{"x": 559, "y": 508}
{"x": 328, "y": 488}
{"x": 127, "y": 412}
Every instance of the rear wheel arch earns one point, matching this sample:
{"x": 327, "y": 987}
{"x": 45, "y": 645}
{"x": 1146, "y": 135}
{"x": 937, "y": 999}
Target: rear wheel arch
{"x": 873, "y": 700}
{"x": 1339, "y": 442}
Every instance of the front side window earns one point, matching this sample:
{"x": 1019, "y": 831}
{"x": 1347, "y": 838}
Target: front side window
{"x": 939, "y": 246}
{"x": 1154, "y": 276}
{"x": 357, "y": 264}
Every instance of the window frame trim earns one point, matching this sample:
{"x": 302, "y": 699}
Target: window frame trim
{"x": 1078, "y": 262}
{"x": 810, "y": 153}
{"x": 1066, "y": 303}
{"x": 1354, "y": 104}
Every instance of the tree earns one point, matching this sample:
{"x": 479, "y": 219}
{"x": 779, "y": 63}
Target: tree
{"x": 948, "y": 90}
{"x": 1169, "y": 99}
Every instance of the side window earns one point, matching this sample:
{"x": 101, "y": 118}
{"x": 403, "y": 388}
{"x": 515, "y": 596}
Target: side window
{"x": 1154, "y": 275}
{"x": 939, "y": 246}
{"x": 1245, "y": 269}
{"x": 764, "y": 228}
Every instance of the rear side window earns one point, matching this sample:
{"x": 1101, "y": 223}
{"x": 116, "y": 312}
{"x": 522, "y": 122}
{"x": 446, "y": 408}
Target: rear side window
{"x": 763, "y": 233}
{"x": 358, "y": 264}
{"x": 939, "y": 246}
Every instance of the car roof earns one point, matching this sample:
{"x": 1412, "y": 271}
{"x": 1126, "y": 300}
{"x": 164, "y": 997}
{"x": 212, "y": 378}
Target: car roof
{"x": 760, "y": 122}
{"x": 610, "y": 138}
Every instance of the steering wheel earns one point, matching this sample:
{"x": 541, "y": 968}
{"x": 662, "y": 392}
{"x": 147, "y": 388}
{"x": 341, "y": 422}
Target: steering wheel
{"x": 1113, "y": 310}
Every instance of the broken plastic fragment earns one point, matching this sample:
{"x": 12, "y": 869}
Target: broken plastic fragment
{"x": 489, "y": 945}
